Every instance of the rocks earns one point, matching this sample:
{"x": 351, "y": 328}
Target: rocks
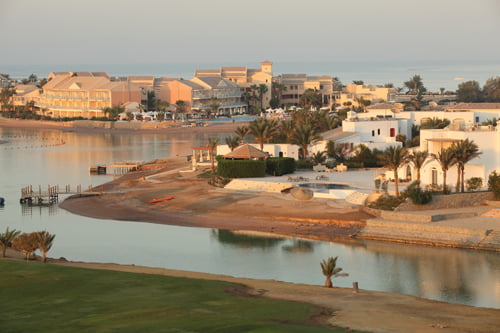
{"x": 302, "y": 193}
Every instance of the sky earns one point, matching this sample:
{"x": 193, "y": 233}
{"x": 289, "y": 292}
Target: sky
{"x": 200, "y": 31}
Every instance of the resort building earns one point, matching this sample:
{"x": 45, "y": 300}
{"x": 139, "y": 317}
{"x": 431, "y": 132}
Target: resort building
{"x": 274, "y": 150}
{"x": 296, "y": 84}
{"x": 85, "y": 94}
{"x": 375, "y": 133}
{"x": 202, "y": 94}
{"x": 244, "y": 77}
{"x": 25, "y": 95}
{"x": 4, "y": 81}
{"x": 352, "y": 94}
{"x": 487, "y": 138}
{"x": 482, "y": 111}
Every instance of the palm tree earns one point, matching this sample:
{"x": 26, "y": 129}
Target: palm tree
{"x": 418, "y": 159}
{"x": 446, "y": 159}
{"x": 242, "y": 131}
{"x": 328, "y": 266}
{"x": 277, "y": 90}
{"x": 318, "y": 157}
{"x": 212, "y": 145}
{"x": 393, "y": 158}
{"x": 181, "y": 106}
{"x": 287, "y": 129}
{"x": 263, "y": 130}
{"x": 45, "y": 240}
{"x": 6, "y": 239}
{"x": 232, "y": 141}
{"x": 261, "y": 90}
{"x": 464, "y": 151}
{"x": 214, "y": 105}
{"x": 304, "y": 135}
{"x": 26, "y": 243}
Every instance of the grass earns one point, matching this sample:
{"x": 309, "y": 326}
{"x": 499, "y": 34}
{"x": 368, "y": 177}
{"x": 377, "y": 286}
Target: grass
{"x": 49, "y": 298}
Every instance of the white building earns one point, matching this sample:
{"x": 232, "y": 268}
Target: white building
{"x": 486, "y": 137}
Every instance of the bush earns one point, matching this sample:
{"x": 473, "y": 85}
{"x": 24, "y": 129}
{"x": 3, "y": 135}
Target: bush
{"x": 474, "y": 184}
{"x": 386, "y": 202}
{"x": 279, "y": 166}
{"x": 494, "y": 184}
{"x": 354, "y": 165}
{"x": 241, "y": 168}
{"x": 416, "y": 194}
{"x": 304, "y": 164}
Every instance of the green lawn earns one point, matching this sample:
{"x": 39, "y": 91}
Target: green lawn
{"x": 37, "y": 297}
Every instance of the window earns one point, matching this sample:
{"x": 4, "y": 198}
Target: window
{"x": 434, "y": 176}
{"x": 378, "y": 131}
{"x": 477, "y": 119}
{"x": 373, "y": 133}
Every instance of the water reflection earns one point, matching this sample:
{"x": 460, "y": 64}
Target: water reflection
{"x": 243, "y": 239}
{"x": 452, "y": 275}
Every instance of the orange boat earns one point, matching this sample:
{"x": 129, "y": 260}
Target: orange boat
{"x": 162, "y": 199}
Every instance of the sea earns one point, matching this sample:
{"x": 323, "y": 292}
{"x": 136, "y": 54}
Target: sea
{"x": 435, "y": 74}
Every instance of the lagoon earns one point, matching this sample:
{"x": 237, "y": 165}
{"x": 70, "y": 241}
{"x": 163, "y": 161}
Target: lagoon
{"x": 32, "y": 157}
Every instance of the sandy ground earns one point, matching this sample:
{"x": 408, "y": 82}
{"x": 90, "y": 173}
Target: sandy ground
{"x": 196, "y": 204}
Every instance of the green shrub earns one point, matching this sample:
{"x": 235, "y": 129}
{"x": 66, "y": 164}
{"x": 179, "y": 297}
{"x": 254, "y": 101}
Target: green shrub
{"x": 241, "y": 168}
{"x": 386, "y": 202}
{"x": 474, "y": 184}
{"x": 304, "y": 164}
{"x": 354, "y": 165}
{"x": 494, "y": 184}
{"x": 416, "y": 194}
{"x": 279, "y": 166}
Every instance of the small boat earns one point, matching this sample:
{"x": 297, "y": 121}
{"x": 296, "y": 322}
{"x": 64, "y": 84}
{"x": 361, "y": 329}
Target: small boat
{"x": 160, "y": 200}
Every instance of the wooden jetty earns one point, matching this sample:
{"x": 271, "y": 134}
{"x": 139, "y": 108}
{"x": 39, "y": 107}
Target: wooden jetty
{"x": 50, "y": 194}
{"x": 117, "y": 168}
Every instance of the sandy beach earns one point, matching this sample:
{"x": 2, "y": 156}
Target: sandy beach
{"x": 197, "y": 204}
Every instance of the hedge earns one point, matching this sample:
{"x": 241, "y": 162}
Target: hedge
{"x": 279, "y": 166}
{"x": 241, "y": 168}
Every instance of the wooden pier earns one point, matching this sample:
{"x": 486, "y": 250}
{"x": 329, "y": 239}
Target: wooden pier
{"x": 50, "y": 194}
{"x": 118, "y": 168}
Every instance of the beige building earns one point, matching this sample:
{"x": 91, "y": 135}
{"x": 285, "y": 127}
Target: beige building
{"x": 85, "y": 94}
{"x": 25, "y": 94}
{"x": 296, "y": 84}
{"x": 244, "y": 77}
{"x": 352, "y": 93}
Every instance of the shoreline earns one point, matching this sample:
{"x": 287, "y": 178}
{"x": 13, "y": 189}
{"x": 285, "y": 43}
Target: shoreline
{"x": 370, "y": 311}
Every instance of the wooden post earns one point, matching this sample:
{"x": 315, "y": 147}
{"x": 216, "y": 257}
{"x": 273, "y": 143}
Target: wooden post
{"x": 355, "y": 288}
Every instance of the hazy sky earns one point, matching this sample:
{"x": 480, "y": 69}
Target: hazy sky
{"x": 186, "y": 31}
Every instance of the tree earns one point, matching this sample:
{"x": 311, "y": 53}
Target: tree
{"x": 5, "y": 95}
{"x": 263, "y": 130}
{"x": 287, "y": 129}
{"x": 212, "y": 145}
{"x": 393, "y": 158}
{"x": 311, "y": 98}
{"x": 261, "y": 90}
{"x": 318, "y": 157}
{"x": 181, "y": 106}
{"x": 26, "y": 243}
{"x": 330, "y": 270}
{"x": 492, "y": 90}
{"x": 446, "y": 160}
{"x": 232, "y": 141}
{"x": 45, "y": 240}
{"x": 434, "y": 123}
{"x": 241, "y": 132}
{"x": 418, "y": 159}
{"x": 415, "y": 85}
{"x": 214, "y": 105}
{"x": 277, "y": 90}
{"x": 113, "y": 112}
{"x": 304, "y": 135}
{"x": 464, "y": 151}
{"x": 6, "y": 239}
{"x": 469, "y": 92}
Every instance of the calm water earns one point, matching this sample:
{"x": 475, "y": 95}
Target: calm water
{"x": 32, "y": 157}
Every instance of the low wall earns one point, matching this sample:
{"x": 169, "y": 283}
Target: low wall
{"x": 455, "y": 200}
{"x": 132, "y": 125}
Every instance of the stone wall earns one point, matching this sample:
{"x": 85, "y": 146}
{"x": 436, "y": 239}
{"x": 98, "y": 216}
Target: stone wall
{"x": 455, "y": 200}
